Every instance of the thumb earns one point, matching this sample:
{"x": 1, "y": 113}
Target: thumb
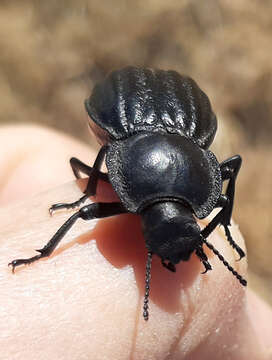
{"x": 192, "y": 316}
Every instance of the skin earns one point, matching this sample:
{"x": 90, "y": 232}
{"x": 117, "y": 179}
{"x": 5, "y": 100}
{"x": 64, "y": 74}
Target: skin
{"x": 85, "y": 301}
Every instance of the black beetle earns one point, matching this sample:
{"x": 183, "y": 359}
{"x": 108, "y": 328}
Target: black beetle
{"x": 155, "y": 128}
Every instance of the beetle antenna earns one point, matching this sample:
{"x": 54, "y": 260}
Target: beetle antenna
{"x": 147, "y": 285}
{"x": 224, "y": 261}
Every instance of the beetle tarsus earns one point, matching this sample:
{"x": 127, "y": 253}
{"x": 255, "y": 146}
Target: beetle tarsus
{"x": 50, "y": 246}
{"x": 169, "y": 266}
{"x": 224, "y": 261}
{"x": 67, "y": 206}
{"x": 19, "y": 262}
{"x": 88, "y": 212}
{"x": 240, "y": 251}
{"x": 204, "y": 259}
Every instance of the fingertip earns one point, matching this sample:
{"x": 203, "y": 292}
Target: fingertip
{"x": 216, "y": 310}
{"x": 34, "y": 159}
{"x": 260, "y": 315}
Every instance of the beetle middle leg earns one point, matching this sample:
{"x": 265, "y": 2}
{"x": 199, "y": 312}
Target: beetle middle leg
{"x": 229, "y": 170}
{"x": 94, "y": 174}
{"x": 88, "y": 212}
{"x": 203, "y": 258}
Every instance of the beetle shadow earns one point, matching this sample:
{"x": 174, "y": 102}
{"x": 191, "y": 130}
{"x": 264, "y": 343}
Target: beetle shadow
{"x": 121, "y": 242}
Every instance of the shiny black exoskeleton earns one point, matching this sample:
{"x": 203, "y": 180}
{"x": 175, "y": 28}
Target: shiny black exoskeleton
{"x": 155, "y": 128}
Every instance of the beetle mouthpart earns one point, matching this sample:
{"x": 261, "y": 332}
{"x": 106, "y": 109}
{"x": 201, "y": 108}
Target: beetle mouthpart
{"x": 147, "y": 285}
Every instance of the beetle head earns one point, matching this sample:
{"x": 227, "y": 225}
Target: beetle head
{"x": 170, "y": 231}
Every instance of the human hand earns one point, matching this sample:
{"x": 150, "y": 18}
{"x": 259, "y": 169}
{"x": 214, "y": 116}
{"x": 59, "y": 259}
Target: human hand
{"x": 85, "y": 301}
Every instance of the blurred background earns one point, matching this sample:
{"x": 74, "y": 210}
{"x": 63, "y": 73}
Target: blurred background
{"x": 53, "y": 52}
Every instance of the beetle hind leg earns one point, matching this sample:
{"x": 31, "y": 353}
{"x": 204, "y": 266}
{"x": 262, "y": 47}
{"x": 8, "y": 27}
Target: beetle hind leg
{"x": 94, "y": 175}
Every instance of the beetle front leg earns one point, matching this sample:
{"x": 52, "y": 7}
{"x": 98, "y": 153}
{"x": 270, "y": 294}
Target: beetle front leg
{"x": 94, "y": 174}
{"x": 229, "y": 171}
{"x": 220, "y": 218}
{"x": 89, "y": 212}
{"x": 169, "y": 265}
{"x": 203, "y": 258}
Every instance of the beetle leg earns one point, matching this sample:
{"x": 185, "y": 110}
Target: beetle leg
{"x": 93, "y": 173}
{"x": 168, "y": 265}
{"x": 88, "y": 212}
{"x": 224, "y": 261}
{"x": 229, "y": 171}
{"x": 67, "y": 206}
{"x": 220, "y": 219}
{"x": 222, "y": 201}
{"x": 240, "y": 251}
{"x": 93, "y": 177}
{"x": 78, "y": 166}
{"x": 203, "y": 258}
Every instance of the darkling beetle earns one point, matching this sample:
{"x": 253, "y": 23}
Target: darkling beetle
{"x": 155, "y": 128}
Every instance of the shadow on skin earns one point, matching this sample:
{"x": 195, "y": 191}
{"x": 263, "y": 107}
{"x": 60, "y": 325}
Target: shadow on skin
{"x": 120, "y": 241}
